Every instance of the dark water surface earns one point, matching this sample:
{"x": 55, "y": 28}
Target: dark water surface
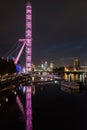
{"x": 51, "y": 108}
{"x": 11, "y": 117}
{"x": 58, "y": 110}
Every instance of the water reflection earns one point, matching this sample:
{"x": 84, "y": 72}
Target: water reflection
{"x": 20, "y": 105}
{"x": 64, "y": 111}
{"x": 50, "y": 104}
{"x": 28, "y": 107}
{"x": 23, "y": 89}
{"x": 33, "y": 89}
{"x": 68, "y": 90}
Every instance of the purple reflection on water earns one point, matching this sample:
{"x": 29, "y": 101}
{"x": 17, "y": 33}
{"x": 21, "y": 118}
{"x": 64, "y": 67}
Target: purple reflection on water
{"x": 18, "y": 101}
{"x": 28, "y": 108}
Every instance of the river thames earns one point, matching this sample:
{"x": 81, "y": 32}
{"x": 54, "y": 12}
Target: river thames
{"x": 52, "y": 108}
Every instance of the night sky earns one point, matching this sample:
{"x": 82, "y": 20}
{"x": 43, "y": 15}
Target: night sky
{"x": 59, "y": 29}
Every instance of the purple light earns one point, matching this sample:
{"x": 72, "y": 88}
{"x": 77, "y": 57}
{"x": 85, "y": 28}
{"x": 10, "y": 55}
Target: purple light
{"x": 28, "y": 108}
{"x": 18, "y": 101}
{"x": 28, "y": 36}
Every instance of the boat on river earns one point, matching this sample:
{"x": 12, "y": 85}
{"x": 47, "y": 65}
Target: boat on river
{"x": 70, "y": 86}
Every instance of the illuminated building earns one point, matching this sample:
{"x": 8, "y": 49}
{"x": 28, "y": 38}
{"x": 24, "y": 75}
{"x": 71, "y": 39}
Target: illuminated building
{"x": 74, "y": 73}
{"x": 76, "y": 64}
{"x": 51, "y": 65}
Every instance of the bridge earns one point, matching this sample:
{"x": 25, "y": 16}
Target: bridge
{"x": 24, "y": 79}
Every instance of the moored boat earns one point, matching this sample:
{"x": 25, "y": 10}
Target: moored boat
{"x": 73, "y": 86}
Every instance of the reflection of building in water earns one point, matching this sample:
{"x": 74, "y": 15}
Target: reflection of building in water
{"x": 33, "y": 90}
{"x": 74, "y": 73}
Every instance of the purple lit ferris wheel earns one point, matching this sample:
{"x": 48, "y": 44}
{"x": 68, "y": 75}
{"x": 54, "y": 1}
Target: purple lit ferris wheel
{"x": 28, "y": 36}
{"x": 28, "y": 45}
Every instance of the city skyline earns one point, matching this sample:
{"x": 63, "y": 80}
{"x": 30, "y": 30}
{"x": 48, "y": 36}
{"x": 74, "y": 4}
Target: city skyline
{"x": 59, "y": 29}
